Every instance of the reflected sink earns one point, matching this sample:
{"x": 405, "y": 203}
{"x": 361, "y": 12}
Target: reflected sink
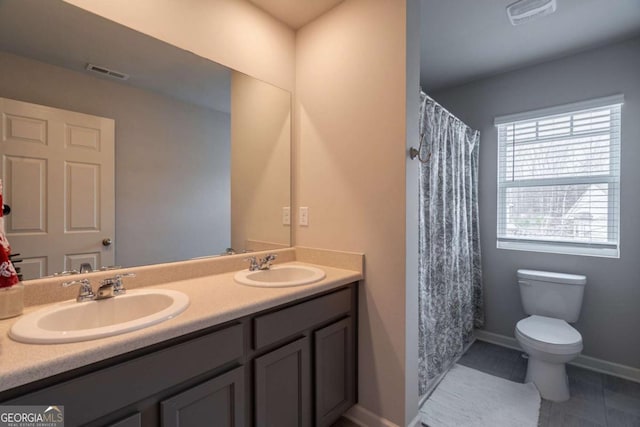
{"x": 73, "y": 321}
{"x": 280, "y": 276}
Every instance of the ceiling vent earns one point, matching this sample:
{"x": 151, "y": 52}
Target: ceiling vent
{"x": 526, "y": 10}
{"x": 106, "y": 72}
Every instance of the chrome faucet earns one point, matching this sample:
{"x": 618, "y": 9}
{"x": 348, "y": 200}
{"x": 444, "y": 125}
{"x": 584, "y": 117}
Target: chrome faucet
{"x": 85, "y": 293}
{"x": 108, "y": 288}
{"x": 253, "y": 263}
{"x": 263, "y": 264}
{"x": 113, "y": 286}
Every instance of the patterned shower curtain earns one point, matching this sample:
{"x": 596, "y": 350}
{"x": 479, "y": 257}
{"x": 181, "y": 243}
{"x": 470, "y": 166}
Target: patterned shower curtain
{"x": 450, "y": 275}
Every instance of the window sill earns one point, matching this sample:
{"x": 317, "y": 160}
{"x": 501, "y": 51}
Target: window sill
{"x": 559, "y": 249}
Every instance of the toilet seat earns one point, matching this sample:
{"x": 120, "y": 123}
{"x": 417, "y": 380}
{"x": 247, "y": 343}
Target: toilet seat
{"x": 550, "y": 335}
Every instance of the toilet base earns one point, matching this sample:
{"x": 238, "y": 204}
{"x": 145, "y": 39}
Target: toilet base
{"x": 550, "y": 379}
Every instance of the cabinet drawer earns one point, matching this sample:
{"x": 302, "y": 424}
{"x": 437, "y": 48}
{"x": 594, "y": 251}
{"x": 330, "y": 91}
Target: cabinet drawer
{"x": 289, "y": 321}
{"x": 139, "y": 378}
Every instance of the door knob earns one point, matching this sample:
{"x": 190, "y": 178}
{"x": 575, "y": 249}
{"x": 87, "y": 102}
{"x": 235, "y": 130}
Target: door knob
{"x": 107, "y": 241}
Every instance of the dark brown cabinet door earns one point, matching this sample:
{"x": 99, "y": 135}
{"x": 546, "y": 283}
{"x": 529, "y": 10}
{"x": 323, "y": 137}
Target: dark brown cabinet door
{"x": 334, "y": 371}
{"x": 218, "y": 402}
{"x": 283, "y": 386}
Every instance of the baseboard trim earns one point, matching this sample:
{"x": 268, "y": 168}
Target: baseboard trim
{"x": 497, "y": 339}
{"x": 587, "y": 362}
{"x": 365, "y": 418}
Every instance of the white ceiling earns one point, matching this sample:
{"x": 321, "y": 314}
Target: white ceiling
{"x": 463, "y": 40}
{"x": 296, "y": 13}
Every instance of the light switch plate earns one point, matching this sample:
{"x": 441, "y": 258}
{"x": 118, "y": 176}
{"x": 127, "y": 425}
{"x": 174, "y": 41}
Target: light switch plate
{"x": 286, "y": 215}
{"x": 303, "y": 217}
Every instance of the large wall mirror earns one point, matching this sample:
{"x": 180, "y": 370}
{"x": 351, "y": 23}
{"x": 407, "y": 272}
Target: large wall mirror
{"x": 119, "y": 149}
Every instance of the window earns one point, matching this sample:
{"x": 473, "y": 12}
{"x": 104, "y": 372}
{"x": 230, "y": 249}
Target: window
{"x": 559, "y": 179}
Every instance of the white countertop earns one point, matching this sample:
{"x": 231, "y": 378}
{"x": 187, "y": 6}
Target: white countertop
{"x": 213, "y": 300}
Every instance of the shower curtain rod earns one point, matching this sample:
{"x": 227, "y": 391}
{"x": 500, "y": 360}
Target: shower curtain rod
{"x": 415, "y": 152}
{"x": 445, "y": 110}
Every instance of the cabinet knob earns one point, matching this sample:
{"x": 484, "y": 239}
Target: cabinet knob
{"x": 107, "y": 241}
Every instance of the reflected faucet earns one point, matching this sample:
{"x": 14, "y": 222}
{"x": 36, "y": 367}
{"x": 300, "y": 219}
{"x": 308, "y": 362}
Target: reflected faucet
{"x": 263, "y": 264}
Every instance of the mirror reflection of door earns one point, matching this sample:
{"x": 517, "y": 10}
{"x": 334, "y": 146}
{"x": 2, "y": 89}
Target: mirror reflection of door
{"x": 58, "y": 173}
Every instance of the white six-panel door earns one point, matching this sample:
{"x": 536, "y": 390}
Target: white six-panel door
{"x": 57, "y": 170}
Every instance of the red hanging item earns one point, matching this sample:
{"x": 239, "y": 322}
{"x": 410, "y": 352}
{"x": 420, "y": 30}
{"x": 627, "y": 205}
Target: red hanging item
{"x": 8, "y": 275}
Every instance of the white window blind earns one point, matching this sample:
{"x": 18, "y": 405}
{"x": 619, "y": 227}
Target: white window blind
{"x": 559, "y": 179}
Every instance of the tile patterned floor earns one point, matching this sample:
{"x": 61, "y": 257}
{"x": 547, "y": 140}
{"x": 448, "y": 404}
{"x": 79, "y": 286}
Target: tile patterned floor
{"x": 597, "y": 400}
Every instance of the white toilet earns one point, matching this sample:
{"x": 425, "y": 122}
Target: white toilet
{"x": 551, "y": 300}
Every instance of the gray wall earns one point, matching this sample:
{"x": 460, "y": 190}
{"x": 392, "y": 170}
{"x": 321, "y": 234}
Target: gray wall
{"x": 172, "y": 160}
{"x": 611, "y": 311}
{"x": 412, "y": 173}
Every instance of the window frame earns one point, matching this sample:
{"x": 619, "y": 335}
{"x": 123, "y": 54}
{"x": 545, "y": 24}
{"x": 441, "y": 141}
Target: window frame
{"x": 611, "y": 249}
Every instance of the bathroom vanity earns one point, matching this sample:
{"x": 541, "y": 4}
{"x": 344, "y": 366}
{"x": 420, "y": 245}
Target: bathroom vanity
{"x": 291, "y": 364}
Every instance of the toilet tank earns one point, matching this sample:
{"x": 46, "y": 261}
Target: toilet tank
{"x": 557, "y": 295}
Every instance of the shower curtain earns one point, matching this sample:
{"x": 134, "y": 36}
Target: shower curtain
{"x": 450, "y": 276}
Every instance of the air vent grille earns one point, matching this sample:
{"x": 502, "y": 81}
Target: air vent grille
{"x": 103, "y": 71}
{"x": 526, "y": 10}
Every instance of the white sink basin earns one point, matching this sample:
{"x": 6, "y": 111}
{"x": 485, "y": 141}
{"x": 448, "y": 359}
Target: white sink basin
{"x": 280, "y": 276}
{"x": 73, "y": 321}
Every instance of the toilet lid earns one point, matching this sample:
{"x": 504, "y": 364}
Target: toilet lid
{"x": 548, "y": 330}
